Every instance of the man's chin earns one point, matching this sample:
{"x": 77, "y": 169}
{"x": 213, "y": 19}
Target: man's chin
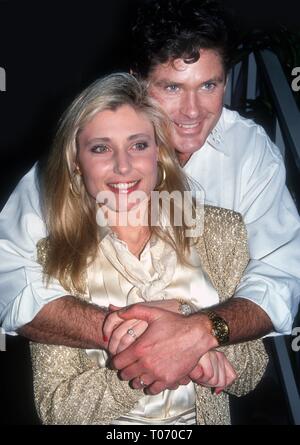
{"x": 185, "y": 145}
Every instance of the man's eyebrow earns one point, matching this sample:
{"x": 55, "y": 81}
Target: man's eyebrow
{"x": 166, "y": 82}
{"x": 216, "y": 79}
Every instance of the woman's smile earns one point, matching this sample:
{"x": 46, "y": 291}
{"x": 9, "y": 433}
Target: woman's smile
{"x": 117, "y": 152}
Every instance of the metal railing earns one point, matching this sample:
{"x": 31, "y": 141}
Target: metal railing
{"x": 247, "y": 79}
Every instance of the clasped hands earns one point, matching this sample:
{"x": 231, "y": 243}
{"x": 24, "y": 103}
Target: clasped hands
{"x": 156, "y": 348}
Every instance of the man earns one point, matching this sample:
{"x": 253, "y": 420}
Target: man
{"x": 183, "y": 56}
{"x": 182, "y": 52}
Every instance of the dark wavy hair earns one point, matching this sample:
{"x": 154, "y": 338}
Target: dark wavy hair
{"x": 169, "y": 29}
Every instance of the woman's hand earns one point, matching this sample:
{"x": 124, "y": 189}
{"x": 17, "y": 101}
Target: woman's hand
{"x": 214, "y": 370}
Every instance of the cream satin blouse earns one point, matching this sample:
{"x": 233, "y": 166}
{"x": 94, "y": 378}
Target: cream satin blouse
{"x": 118, "y": 277}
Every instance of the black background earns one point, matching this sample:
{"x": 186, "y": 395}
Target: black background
{"x": 50, "y": 51}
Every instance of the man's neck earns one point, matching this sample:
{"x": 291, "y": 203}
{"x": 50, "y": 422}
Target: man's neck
{"x": 183, "y": 157}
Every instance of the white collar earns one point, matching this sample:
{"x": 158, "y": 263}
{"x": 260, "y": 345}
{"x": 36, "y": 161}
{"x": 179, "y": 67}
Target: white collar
{"x": 216, "y": 137}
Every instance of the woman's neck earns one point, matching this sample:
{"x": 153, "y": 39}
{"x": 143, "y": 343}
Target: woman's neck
{"x": 131, "y": 227}
{"x": 135, "y": 237}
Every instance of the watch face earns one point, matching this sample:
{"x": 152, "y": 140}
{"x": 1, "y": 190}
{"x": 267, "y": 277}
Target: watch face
{"x": 220, "y": 329}
{"x": 214, "y": 333}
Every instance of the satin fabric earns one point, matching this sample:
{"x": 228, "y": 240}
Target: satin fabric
{"x": 118, "y": 277}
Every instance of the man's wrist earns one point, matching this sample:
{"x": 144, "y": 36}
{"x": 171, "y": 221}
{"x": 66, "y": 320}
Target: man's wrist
{"x": 94, "y": 335}
{"x": 204, "y": 332}
{"x": 104, "y": 312}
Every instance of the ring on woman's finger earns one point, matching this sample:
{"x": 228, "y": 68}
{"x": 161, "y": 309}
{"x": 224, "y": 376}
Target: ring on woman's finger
{"x": 131, "y": 332}
{"x": 142, "y": 383}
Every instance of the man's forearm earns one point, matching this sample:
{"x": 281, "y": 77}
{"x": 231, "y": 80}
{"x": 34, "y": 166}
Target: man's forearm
{"x": 246, "y": 320}
{"x": 67, "y": 321}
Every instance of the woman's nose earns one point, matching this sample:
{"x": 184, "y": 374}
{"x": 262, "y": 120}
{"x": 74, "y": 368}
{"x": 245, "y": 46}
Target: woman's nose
{"x": 122, "y": 164}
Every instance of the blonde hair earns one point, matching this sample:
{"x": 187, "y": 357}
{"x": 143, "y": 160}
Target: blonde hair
{"x": 70, "y": 212}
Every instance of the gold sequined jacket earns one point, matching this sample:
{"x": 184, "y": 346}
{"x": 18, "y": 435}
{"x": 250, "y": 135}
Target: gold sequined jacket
{"x": 70, "y": 388}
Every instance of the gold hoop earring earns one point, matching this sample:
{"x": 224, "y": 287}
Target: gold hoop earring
{"x": 77, "y": 171}
{"x": 162, "y": 174}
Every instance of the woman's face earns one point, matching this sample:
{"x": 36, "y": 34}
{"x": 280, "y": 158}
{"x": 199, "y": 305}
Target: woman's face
{"x": 117, "y": 153}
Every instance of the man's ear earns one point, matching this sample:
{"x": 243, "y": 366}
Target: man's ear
{"x": 226, "y": 81}
{"x": 138, "y": 77}
{"x": 133, "y": 73}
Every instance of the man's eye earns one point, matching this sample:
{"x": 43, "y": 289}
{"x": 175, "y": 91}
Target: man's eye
{"x": 99, "y": 149}
{"x": 172, "y": 88}
{"x": 209, "y": 86}
{"x": 140, "y": 146}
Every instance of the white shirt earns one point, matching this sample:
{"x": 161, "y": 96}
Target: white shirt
{"x": 239, "y": 168}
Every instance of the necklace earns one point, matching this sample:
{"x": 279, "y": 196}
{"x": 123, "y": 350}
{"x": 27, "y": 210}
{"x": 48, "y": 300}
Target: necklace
{"x": 137, "y": 251}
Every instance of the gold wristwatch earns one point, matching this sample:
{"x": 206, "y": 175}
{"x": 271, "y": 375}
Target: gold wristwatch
{"x": 220, "y": 328}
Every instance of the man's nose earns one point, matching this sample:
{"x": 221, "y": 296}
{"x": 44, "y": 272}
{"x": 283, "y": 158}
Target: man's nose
{"x": 122, "y": 164}
{"x": 190, "y": 105}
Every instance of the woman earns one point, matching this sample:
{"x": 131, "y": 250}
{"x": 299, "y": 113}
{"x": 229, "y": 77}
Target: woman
{"x": 111, "y": 152}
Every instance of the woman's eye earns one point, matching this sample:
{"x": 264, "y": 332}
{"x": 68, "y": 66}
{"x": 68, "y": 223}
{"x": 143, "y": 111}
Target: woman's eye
{"x": 99, "y": 149}
{"x": 140, "y": 146}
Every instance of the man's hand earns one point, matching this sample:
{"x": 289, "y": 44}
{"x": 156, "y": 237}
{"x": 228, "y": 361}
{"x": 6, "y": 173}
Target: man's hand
{"x": 115, "y": 329}
{"x": 167, "y": 351}
{"x": 213, "y": 369}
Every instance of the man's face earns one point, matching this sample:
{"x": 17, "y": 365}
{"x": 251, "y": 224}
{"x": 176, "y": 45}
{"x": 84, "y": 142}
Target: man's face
{"x": 192, "y": 96}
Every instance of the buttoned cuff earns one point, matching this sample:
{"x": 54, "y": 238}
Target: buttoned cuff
{"x": 274, "y": 305}
{"x": 27, "y": 304}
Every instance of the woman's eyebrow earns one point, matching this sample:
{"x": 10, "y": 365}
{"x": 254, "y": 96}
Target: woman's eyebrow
{"x": 137, "y": 136}
{"x": 98, "y": 139}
